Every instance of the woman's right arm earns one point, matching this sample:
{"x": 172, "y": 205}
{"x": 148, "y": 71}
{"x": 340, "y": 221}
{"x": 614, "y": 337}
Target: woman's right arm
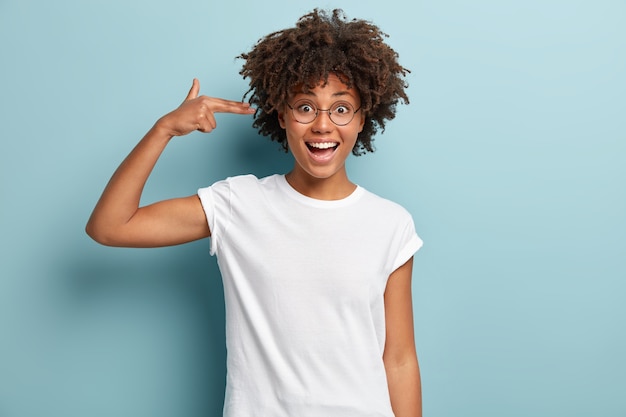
{"x": 117, "y": 219}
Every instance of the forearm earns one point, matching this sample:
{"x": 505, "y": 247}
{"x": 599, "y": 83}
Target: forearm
{"x": 120, "y": 199}
{"x": 118, "y": 220}
{"x": 405, "y": 389}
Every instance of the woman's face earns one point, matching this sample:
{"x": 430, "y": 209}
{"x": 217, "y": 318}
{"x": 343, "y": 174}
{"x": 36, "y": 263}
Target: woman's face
{"x": 321, "y": 146}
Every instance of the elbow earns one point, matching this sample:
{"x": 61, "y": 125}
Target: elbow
{"x": 98, "y": 234}
{"x": 93, "y": 233}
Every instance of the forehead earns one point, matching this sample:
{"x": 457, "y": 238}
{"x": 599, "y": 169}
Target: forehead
{"x": 333, "y": 88}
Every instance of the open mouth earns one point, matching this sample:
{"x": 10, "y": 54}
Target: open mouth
{"x": 322, "y": 149}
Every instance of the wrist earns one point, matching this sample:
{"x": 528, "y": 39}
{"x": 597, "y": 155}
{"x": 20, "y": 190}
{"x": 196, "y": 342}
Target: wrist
{"x": 161, "y": 130}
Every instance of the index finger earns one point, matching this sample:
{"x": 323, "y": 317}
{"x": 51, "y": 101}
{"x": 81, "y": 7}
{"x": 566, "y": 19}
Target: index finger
{"x": 221, "y": 105}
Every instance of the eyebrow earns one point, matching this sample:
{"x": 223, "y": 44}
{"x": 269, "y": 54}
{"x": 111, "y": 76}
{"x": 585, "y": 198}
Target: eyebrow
{"x": 337, "y": 94}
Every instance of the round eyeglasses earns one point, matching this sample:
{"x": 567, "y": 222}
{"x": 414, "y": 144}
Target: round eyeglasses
{"x": 340, "y": 113}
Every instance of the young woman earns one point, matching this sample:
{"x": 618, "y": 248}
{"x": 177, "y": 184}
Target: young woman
{"x": 316, "y": 270}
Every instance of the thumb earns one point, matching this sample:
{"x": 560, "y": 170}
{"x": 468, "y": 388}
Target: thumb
{"x": 195, "y": 89}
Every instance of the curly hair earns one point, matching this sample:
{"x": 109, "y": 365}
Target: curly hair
{"x": 322, "y": 43}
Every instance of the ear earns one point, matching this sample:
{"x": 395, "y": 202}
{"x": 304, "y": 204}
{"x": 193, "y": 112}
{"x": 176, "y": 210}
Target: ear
{"x": 362, "y": 121}
{"x": 281, "y": 119}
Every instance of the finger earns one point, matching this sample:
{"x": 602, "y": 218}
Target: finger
{"x": 221, "y": 105}
{"x": 206, "y": 123}
{"x": 195, "y": 89}
{"x": 210, "y": 121}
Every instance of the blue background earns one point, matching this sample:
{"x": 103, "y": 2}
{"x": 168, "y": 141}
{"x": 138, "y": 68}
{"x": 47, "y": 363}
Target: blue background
{"x": 510, "y": 158}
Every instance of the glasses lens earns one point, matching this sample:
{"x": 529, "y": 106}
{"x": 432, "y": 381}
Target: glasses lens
{"x": 304, "y": 111}
{"x": 341, "y": 113}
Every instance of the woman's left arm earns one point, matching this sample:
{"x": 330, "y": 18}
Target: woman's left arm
{"x": 400, "y": 357}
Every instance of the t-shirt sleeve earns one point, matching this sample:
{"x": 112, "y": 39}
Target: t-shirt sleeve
{"x": 215, "y": 201}
{"x": 409, "y": 243}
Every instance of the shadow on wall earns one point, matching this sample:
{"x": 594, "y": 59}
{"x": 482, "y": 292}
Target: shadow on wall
{"x": 257, "y": 154}
{"x": 141, "y": 331}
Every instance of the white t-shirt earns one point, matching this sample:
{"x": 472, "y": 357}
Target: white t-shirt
{"x": 304, "y": 281}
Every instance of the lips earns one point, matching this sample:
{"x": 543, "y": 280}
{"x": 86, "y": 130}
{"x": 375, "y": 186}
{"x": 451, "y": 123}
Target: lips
{"x": 322, "y": 151}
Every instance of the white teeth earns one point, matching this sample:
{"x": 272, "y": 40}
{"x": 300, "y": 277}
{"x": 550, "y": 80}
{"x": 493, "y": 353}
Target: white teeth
{"x": 324, "y": 145}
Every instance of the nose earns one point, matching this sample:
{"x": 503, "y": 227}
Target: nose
{"x": 322, "y": 122}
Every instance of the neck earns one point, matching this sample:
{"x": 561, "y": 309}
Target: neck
{"x": 336, "y": 187}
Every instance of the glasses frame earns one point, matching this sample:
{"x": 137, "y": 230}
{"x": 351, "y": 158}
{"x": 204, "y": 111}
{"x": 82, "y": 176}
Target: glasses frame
{"x": 317, "y": 112}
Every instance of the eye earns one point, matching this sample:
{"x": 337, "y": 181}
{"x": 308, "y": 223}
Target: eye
{"x": 342, "y": 109}
{"x": 305, "y": 108}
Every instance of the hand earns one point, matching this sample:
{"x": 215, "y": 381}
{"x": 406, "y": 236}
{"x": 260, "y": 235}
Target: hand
{"x": 198, "y": 113}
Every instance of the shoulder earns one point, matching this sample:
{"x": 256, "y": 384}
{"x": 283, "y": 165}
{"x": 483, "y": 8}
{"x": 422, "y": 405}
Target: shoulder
{"x": 392, "y": 224}
{"x": 249, "y": 184}
{"x": 240, "y": 188}
{"x": 238, "y": 180}
{"x": 243, "y": 181}
{"x": 381, "y": 205}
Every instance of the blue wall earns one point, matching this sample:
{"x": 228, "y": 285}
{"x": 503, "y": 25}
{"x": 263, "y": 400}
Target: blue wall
{"x": 510, "y": 157}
